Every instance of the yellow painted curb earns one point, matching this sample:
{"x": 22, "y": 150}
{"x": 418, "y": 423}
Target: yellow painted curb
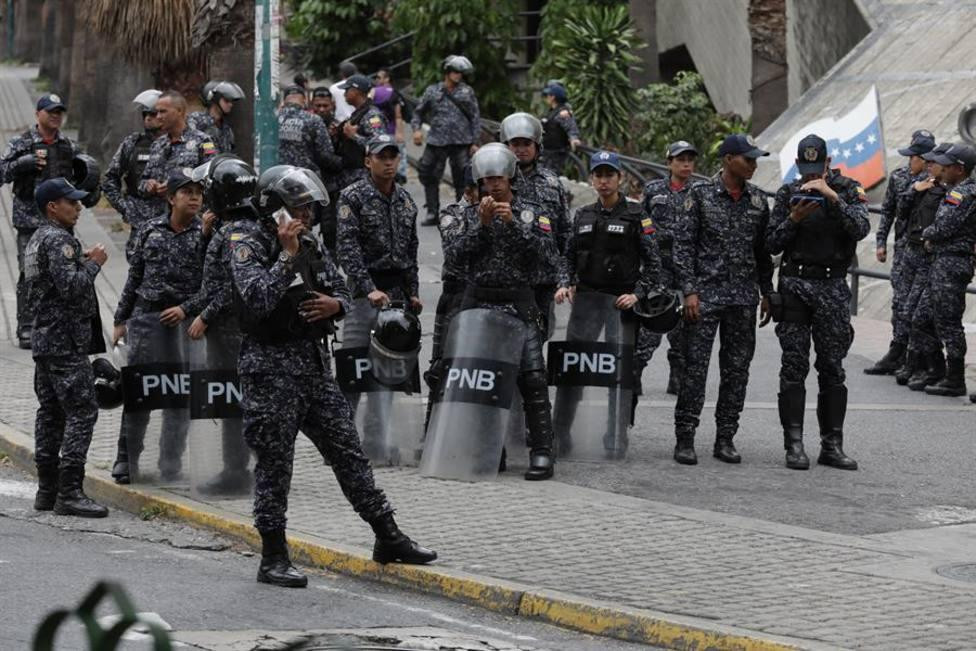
{"x": 569, "y": 611}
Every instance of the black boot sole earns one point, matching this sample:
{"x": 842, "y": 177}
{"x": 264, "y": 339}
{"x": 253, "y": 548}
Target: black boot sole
{"x": 945, "y": 391}
{"x": 839, "y": 466}
{"x": 282, "y": 583}
{"x": 879, "y": 371}
{"x": 63, "y": 510}
{"x": 798, "y": 465}
{"x": 539, "y": 475}
{"x": 726, "y": 458}
{"x": 686, "y": 461}
{"x": 385, "y": 556}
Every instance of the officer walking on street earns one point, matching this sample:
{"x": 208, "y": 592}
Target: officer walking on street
{"x": 499, "y": 246}
{"x": 365, "y": 122}
{"x": 60, "y": 278}
{"x": 127, "y": 167}
{"x": 723, "y": 268}
{"x": 40, "y": 153}
{"x": 816, "y": 224}
{"x": 662, "y": 201}
{"x": 898, "y": 182}
{"x": 178, "y": 147}
{"x": 287, "y": 386}
{"x": 450, "y": 107}
{"x": 559, "y": 128}
{"x": 523, "y": 135}
{"x": 219, "y": 97}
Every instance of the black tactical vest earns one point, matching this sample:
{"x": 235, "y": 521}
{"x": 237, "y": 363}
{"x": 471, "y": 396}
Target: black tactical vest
{"x": 59, "y": 156}
{"x": 554, "y": 137}
{"x": 353, "y": 154}
{"x": 608, "y": 248}
{"x": 923, "y": 212}
{"x": 137, "y": 163}
{"x": 820, "y": 238}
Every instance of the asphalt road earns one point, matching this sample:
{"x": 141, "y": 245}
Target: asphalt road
{"x": 203, "y": 587}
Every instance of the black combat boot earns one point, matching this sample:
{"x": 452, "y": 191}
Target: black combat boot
{"x": 792, "y": 403}
{"x": 538, "y": 420}
{"x": 831, "y": 409}
{"x": 674, "y": 378}
{"x": 276, "y": 567}
{"x": 908, "y": 368}
{"x": 47, "y": 487}
{"x": 724, "y": 449}
{"x": 954, "y": 383}
{"x": 394, "y": 546}
{"x": 890, "y": 363}
{"x": 684, "y": 449}
{"x": 930, "y": 371}
{"x": 71, "y": 498}
{"x": 541, "y": 465}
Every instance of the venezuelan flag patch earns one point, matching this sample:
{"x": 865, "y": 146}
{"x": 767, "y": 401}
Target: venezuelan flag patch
{"x": 954, "y": 198}
{"x": 861, "y": 194}
{"x": 208, "y": 147}
{"x": 545, "y": 224}
{"x": 647, "y": 225}
{"x": 375, "y": 122}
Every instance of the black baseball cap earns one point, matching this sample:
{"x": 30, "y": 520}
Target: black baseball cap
{"x": 939, "y": 149}
{"x": 681, "y": 147}
{"x": 321, "y": 91}
{"x": 359, "y": 82}
{"x": 54, "y": 189}
{"x": 378, "y": 143}
{"x": 178, "y": 178}
{"x": 922, "y": 143}
{"x": 958, "y": 155}
{"x": 294, "y": 89}
{"x": 740, "y": 144}
{"x": 811, "y": 155}
{"x": 51, "y": 102}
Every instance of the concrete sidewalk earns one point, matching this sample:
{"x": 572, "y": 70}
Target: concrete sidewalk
{"x": 634, "y": 568}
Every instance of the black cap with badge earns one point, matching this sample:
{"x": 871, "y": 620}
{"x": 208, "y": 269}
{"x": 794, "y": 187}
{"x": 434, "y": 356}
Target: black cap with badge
{"x": 811, "y": 155}
{"x": 54, "y": 189}
{"x": 359, "y": 82}
{"x": 680, "y": 147}
{"x": 958, "y": 155}
{"x": 178, "y": 178}
{"x": 378, "y": 143}
{"x": 740, "y": 144}
{"x": 930, "y": 156}
{"x": 922, "y": 143}
{"x": 51, "y": 102}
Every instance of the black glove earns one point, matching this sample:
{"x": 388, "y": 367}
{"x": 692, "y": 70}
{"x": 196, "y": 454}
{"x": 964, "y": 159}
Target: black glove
{"x": 26, "y": 164}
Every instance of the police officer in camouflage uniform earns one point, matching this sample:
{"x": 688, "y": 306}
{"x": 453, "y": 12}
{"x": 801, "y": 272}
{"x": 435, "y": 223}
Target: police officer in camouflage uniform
{"x": 523, "y": 135}
{"x": 40, "y": 153}
{"x": 219, "y": 97}
{"x": 230, "y": 186}
{"x": 304, "y": 141}
{"x": 816, "y": 224}
{"x": 917, "y": 205}
{"x": 365, "y": 122}
{"x": 499, "y": 245}
{"x": 165, "y": 273}
{"x": 662, "y": 201}
{"x": 127, "y": 166}
{"x": 60, "y": 279}
{"x": 951, "y": 238}
{"x": 450, "y": 107}
{"x": 560, "y": 133}
{"x": 287, "y": 386}
{"x": 178, "y": 147}
{"x": 377, "y": 248}
{"x": 898, "y": 182}
{"x": 722, "y": 268}
{"x": 453, "y": 282}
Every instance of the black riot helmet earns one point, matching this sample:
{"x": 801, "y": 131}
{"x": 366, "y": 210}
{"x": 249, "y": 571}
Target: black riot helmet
{"x": 289, "y": 186}
{"x": 659, "y": 312}
{"x": 85, "y": 175}
{"x": 228, "y": 181}
{"x": 108, "y": 384}
{"x": 394, "y": 345}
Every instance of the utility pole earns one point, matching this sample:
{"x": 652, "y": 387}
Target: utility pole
{"x": 267, "y": 19}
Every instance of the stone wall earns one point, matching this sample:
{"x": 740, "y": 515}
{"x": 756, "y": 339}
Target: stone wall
{"x": 818, "y": 35}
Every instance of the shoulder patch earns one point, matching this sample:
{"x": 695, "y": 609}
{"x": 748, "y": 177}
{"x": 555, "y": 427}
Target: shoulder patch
{"x": 544, "y": 223}
{"x": 235, "y": 237}
{"x": 527, "y": 216}
{"x": 68, "y": 251}
{"x": 447, "y": 220}
{"x": 208, "y": 147}
{"x": 375, "y": 121}
{"x": 861, "y": 195}
{"x": 345, "y": 212}
{"x": 689, "y": 203}
{"x": 647, "y": 226}
{"x": 757, "y": 201}
{"x": 242, "y": 253}
{"x": 954, "y": 198}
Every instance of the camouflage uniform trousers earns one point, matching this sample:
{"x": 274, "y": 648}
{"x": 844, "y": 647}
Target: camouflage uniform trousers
{"x": 915, "y": 265}
{"x": 648, "y": 342}
{"x": 65, "y": 389}
{"x": 828, "y": 302}
{"x": 902, "y": 274}
{"x": 223, "y": 349}
{"x": 25, "y": 315}
{"x": 430, "y": 169}
{"x": 152, "y": 342}
{"x": 942, "y": 304}
{"x": 736, "y": 328}
{"x": 276, "y": 407}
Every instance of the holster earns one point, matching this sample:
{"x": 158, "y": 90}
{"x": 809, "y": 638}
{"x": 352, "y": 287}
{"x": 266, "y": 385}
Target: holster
{"x": 788, "y": 308}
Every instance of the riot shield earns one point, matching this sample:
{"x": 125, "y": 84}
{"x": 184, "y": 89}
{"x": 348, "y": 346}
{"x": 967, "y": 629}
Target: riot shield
{"x": 592, "y": 370}
{"x": 471, "y": 410}
{"x": 157, "y": 385}
{"x": 389, "y": 414}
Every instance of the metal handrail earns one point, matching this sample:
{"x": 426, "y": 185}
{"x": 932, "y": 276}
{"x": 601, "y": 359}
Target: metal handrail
{"x": 381, "y": 46}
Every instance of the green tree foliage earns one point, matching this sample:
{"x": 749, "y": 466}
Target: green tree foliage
{"x": 477, "y": 29}
{"x": 552, "y": 29}
{"x": 593, "y": 54}
{"x": 681, "y": 111}
{"x": 327, "y": 31}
